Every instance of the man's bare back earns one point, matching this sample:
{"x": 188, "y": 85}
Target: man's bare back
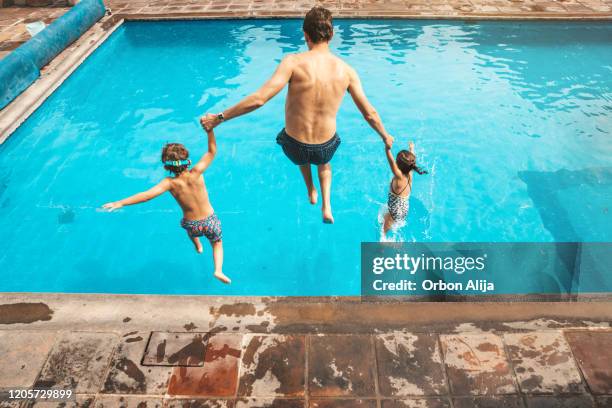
{"x": 317, "y": 81}
{"x": 317, "y": 86}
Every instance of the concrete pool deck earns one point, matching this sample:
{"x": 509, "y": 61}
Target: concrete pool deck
{"x": 205, "y": 351}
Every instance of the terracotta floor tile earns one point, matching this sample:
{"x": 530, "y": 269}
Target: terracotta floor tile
{"x": 273, "y": 366}
{"x": 508, "y": 401}
{"x": 22, "y": 355}
{"x": 409, "y": 364}
{"x": 269, "y": 403}
{"x": 340, "y": 403}
{"x": 198, "y": 403}
{"x": 176, "y": 349}
{"x": 115, "y": 401}
{"x": 417, "y": 403}
{"x": 78, "y": 362}
{"x": 593, "y": 352}
{"x": 341, "y": 365}
{"x": 128, "y": 376}
{"x": 543, "y": 362}
{"x": 582, "y": 401}
{"x": 219, "y": 375}
{"x": 477, "y": 364}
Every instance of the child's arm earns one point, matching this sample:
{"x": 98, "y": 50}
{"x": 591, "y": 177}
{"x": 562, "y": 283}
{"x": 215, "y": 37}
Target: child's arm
{"x": 208, "y": 157}
{"x": 394, "y": 169}
{"x": 151, "y": 193}
{"x": 411, "y": 147}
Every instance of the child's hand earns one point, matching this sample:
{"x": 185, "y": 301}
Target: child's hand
{"x": 411, "y": 146}
{"x": 112, "y": 206}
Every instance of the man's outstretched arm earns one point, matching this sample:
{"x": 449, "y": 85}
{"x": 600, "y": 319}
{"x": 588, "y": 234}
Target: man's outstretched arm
{"x": 366, "y": 108}
{"x": 256, "y": 100}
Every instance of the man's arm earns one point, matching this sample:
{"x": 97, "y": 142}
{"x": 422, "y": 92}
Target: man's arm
{"x": 256, "y": 100}
{"x": 207, "y": 157}
{"x": 151, "y": 193}
{"x": 366, "y": 108}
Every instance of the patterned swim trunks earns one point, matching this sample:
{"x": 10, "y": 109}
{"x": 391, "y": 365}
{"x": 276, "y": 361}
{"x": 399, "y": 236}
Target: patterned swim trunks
{"x": 210, "y": 227}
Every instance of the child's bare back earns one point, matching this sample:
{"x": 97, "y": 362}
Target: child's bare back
{"x": 189, "y": 190}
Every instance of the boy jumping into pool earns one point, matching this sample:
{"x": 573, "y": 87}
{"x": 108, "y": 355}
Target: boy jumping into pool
{"x": 401, "y": 185}
{"x": 189, "y": 190}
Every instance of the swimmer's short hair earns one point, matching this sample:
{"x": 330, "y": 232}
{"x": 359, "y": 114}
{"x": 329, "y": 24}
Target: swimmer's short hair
{"x": 319, "y": 25}
{"x": 175, "y": 152}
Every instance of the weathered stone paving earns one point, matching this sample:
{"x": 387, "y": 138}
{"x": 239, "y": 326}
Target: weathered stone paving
{"x": 540, "y": 369}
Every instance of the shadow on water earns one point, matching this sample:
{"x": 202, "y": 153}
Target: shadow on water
{"x": 573, "y": 206}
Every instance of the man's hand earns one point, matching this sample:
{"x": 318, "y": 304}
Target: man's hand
{"x": 209, "y": 121}
{"x": 112, "y": 206}
{"x": 388, "y": 141}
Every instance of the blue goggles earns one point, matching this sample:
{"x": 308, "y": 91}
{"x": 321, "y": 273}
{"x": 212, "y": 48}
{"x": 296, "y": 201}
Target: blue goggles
{"x": 177, "y": 163}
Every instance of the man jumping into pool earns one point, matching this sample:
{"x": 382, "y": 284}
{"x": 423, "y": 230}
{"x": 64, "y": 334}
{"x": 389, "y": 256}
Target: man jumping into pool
{"x": 317, "y": 82}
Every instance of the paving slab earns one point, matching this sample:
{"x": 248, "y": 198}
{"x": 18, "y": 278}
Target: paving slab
{"x": 593, "y": 353}
{"x": 409, "y": 364}
{"x": 273, "y": 366}
{"x": 342, "y": 403}
{"x": 543, "y": 363}
{"x": 81, "y": 401}
{"x": 580, "y": 401}
{"x": 219, "y": 375}
{"x": 417, "y": 403}
{"x": 341, "y": 365}
{"x": 128, "y": 376}
{"x": 477, "y": 364}
{"x": 507, "y": 401}
{"x": 79, "y": 362}
{"x": 269, "y": 403}
{"x": 127, "y": 401}
{"x": 198, "y": 403}
{"x": 175, "y": 349}
{"x": 22, "y": 355}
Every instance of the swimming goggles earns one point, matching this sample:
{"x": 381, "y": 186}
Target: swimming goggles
{"x": 177, "y": 163}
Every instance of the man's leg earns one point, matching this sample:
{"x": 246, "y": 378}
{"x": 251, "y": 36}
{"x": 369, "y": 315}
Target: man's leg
{"x": 325, "y": 179}
{"x": 312, "y": 191}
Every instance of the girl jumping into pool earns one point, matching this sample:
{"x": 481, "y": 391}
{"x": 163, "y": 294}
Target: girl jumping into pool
{"x": 401, "y": 185}
{"x": 189, "y": 190}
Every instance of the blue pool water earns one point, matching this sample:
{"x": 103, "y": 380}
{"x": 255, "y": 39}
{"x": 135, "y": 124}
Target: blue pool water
{"x": 513, "y": 121}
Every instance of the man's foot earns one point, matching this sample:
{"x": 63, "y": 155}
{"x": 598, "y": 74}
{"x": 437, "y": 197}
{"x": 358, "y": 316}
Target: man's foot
{"x": 328, "y": 218}
{"x": 313, "y": 195}
{"x": 219, "y": 275}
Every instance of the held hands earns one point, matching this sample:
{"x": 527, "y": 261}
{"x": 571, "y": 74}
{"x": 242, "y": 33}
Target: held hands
{"x": 112, "y": 206}
{"x": 209, "y": 121}
{"x": 388, "y": 141}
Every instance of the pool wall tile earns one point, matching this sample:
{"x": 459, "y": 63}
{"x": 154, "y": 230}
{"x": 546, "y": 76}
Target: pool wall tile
{"x": 128, "y": 376}
{"x": 78, "y": 361}
{"x": 477, "y": 364}
{"x": 543, "y": 363}
{"x": 409, "y": 364}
